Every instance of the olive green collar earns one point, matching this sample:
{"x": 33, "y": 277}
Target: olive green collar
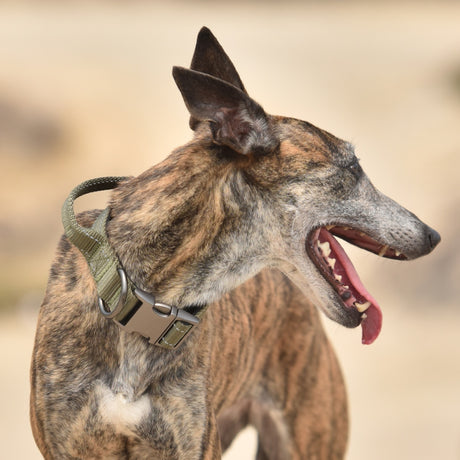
{"x": 133, "y": 309}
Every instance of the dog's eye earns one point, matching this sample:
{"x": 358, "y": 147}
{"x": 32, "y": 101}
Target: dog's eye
{"x": 355, "y": 169}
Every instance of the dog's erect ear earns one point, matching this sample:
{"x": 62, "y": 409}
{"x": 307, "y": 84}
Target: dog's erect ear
{"x": 210, "y": 58}
{"x": 236, "y": 120}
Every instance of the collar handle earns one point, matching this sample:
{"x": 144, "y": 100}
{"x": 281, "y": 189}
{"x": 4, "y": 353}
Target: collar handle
{"x": 94, "y": 245}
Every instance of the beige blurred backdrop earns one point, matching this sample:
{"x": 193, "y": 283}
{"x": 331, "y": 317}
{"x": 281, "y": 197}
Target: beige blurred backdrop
{"x": 86, "y": 91}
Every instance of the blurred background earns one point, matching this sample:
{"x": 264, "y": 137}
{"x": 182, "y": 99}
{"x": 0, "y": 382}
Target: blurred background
{"x": 86, "y": 91}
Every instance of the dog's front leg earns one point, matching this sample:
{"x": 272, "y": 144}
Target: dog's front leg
{"x": 303, "y": 412}
{"x": 211, "y": 441}
{"x": 182, "y": 420}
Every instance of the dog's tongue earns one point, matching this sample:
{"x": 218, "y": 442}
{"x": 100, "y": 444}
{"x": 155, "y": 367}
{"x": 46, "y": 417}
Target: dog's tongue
{"x": 372, "y": 324}
{"x": 372, "y": 319}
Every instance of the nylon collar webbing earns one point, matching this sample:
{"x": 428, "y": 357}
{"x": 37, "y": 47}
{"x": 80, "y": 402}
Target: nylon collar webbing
{"x": 118, "y": 298}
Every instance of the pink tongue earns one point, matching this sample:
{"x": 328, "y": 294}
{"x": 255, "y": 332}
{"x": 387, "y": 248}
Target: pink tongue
{"x": 372, "y": 324}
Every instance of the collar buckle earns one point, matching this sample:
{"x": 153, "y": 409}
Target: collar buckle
{"x": 164, "y": 325}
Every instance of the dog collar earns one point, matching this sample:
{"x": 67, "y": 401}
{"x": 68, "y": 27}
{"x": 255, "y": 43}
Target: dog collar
{"x": 131, "y": 308}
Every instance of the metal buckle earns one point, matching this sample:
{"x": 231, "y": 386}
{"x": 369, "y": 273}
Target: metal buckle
{"x": 149, "y": 318}
{"x": 154, "y": 319}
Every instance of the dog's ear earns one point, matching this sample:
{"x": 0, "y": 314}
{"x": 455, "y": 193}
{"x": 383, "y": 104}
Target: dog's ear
{"x": 236, "y": 120}
{"x": 209, "y": 57}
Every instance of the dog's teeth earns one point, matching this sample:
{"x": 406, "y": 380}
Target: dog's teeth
{"x": 338, "y": 277}
{"x": 397, "y": 253}
{"x": 362, "y": 307}
{"x": 363, "y": 316}
{"x": 331, "y": 262}
{"x": 383, "y": 250}
{"x": 325, "y": 248}
{"x": 328, "y": 227}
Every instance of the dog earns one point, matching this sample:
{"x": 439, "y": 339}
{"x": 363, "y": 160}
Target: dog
{"x": 242, "y": 220}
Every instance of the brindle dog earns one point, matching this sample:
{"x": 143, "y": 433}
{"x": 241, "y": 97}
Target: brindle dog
{"x": 241, "y": 218}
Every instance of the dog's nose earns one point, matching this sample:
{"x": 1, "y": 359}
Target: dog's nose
{"x": 433, "y": 238}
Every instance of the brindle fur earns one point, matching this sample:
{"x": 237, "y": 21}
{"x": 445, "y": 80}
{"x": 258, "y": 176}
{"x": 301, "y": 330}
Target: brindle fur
{"x": 215, "y": 223}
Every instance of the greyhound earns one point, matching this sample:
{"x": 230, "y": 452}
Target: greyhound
{"x": 234, "y": 234}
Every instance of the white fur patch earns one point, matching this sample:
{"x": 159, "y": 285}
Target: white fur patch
{"x": 120, "y": 410}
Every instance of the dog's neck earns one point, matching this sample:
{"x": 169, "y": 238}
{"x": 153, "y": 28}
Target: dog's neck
{"x": 183, "y": 230}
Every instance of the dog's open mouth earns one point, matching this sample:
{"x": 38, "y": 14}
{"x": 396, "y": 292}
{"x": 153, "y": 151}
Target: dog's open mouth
{"x": 335, "y": 266}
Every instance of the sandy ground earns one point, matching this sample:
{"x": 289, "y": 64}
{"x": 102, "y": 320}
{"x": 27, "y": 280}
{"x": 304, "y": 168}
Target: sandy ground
{"x": 86, "y": 91}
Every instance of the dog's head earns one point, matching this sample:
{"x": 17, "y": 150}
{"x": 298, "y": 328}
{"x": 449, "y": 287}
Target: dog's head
{"x": 310, "y": 186}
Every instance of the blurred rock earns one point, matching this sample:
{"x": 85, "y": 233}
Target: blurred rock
{"x": 27, "y": 130}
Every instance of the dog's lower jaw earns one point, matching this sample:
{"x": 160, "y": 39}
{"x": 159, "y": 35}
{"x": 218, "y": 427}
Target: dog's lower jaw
{"x": 315, "y": 288}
